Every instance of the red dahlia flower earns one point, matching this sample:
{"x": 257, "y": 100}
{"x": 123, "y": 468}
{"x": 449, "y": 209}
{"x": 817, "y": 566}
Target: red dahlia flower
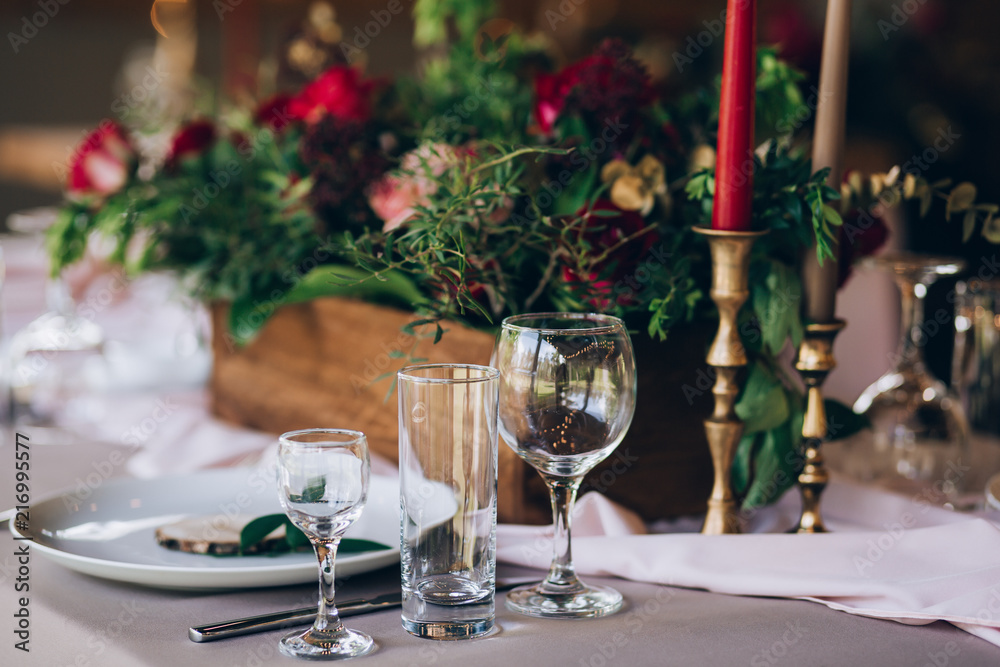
{"x": 339, "y": 91}
{"x": 102, "y": 163}
{"x": 273, "y": 112}
{"x": 602, "y": 232}
{"x": 191, "y": 140}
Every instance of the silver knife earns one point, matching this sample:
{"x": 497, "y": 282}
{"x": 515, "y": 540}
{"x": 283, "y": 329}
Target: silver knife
{"x": 288, "y": 619}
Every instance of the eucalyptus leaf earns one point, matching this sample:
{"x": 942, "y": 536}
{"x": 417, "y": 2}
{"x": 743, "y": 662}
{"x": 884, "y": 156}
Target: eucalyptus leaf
{"x": 961, "y": 198}
{"x": 968, "y": 225}
{"x": 991, "y": 229}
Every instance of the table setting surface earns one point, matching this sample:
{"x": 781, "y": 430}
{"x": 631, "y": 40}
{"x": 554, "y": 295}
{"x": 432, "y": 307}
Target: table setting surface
{"x": 78, "y": 619}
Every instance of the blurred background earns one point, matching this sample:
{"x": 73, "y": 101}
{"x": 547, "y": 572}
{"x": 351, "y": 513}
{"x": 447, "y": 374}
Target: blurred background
{"x": 917, "y": 66}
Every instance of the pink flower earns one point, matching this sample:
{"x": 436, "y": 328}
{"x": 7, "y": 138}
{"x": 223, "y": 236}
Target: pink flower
{"x": 396, "y": 196}
{"x": 395, "y": 199}
{"x": 102, "y": 164}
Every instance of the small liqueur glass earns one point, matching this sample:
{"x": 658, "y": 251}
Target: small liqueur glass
{"x": 323, "y": 486}
{"x": 567, "y": 397}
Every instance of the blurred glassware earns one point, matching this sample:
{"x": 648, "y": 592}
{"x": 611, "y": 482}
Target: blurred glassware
{"x": 976, "y": 368}
{"x": 918, "y": 441}
{"x": 56, "y": 367}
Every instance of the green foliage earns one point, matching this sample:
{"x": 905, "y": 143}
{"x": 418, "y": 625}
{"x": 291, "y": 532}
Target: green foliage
{"x": 465, "y": 96}
{"x": 233, "y": 222}
{"x": 431, "y": 19}
{"x": 462, "y": 245}
{"x": 779, "y": 99}
{"x": 295, "y": 540}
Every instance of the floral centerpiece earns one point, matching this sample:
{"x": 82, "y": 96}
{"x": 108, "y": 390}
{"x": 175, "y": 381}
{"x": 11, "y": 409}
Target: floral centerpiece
{"x": 499, "y": 182}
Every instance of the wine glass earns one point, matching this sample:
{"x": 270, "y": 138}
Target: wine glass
{"x": 919, "y": 435}
{"x": 323, "y": 485}
{"x": 567, "y": 396}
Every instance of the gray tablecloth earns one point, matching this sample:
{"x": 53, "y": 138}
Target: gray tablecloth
{"x": 79, "y": 620}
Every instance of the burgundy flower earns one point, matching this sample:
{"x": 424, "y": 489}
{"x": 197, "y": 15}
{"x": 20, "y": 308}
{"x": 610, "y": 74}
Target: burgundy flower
{"x": 343, "y": 158}
{"x": 102, "y": 163}
{"x": 861, "y": 235}
{"x": 339, "y": 92}
{"x": 789, "y": 26}
{"x": 607, "y": 85}
{"x": 191, "y": 140}
{"x": 602, "y": 232}
{"x": 274, "y": 112}
{"x": 551, "y": 91}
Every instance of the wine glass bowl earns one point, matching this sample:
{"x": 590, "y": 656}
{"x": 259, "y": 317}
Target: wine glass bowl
{"x": 323, "y": 479}
{"x": 567, "y": 397}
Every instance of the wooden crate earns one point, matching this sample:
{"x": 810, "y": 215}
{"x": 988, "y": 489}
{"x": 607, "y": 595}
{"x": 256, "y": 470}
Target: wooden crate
{"x": 313, "y": 365}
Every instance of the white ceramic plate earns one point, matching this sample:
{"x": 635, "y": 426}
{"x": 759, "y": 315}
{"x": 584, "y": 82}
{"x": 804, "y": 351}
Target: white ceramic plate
{"x": 111, "y": 534}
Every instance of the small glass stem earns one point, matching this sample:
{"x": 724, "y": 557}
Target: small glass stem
{"x": 563, "y": 493}
{"x": 911, "y": 321}
{"x": 327, "y": 617}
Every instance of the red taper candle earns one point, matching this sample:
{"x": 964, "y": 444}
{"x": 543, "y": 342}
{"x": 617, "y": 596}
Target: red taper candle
{"x": 734, "y": 164}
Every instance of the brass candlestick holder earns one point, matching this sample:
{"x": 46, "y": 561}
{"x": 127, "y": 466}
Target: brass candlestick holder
{"x": 815, "y": 361}
{"x": 730, "y": 275}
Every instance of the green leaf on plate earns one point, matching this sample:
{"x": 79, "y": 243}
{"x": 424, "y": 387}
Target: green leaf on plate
{"x": 258, "y": 529}
{"x": 351, "y": 545}
{"x": 294, "y": 537}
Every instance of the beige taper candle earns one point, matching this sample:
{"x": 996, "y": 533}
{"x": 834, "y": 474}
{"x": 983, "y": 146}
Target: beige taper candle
{"x": 820, "y": 283}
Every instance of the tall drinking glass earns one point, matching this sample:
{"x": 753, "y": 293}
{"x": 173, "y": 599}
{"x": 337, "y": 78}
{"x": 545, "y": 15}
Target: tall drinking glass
{"x": 567, "y": 396}
{"x": 323, "y": 486}
{"x": 448, "y": 499}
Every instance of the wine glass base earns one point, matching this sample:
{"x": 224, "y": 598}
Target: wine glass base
{"x": 314, "y": 645}
{"x": 584, "y": 602}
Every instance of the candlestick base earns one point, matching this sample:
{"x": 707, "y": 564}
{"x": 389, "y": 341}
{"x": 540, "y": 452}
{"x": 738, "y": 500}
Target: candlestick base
{"x": 730, "y": 276}
{"x": 815, "y": 361}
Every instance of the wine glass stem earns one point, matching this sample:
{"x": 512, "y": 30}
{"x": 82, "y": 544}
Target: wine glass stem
{"x": 563, "y": 493}
{"x": 327, "y": 616}
{"x": 912, "y": 316}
